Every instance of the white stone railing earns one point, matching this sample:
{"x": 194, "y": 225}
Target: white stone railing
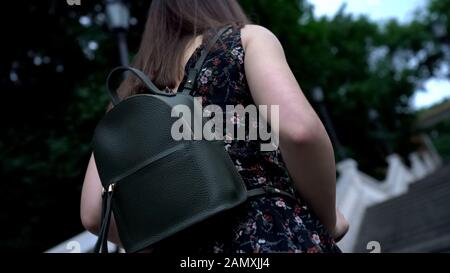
{"x": 356, "y": 191}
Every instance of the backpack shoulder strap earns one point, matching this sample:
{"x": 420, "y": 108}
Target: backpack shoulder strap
{"x": 194, "y": 72}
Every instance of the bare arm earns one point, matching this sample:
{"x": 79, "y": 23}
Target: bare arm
{"x": 304, "y": 143}
{"x": 91, "y": 204}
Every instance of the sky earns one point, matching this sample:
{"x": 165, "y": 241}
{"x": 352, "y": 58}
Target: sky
{"x": 434, "y": 90}
{"x": 376, "y": 9}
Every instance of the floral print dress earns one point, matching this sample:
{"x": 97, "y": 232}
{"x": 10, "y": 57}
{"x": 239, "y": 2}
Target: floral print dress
{"x": 264, "y": 224}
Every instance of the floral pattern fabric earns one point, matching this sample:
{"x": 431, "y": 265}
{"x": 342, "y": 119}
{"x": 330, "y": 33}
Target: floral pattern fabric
{"x": 265, "y": 223}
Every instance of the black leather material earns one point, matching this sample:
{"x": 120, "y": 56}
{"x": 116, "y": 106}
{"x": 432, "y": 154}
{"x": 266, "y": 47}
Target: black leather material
{"x": 154, "y": 185}
{"x": 161, "y": 186}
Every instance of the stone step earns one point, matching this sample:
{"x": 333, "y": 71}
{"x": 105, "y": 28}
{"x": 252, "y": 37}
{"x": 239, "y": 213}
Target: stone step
{"x": 441, "y": 176}
{"x": 418, "y": 221}
{"x": 409, "y": 201}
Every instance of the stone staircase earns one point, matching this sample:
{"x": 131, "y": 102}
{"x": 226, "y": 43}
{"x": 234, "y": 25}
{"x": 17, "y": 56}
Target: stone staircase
{"x": 417, "y": 221}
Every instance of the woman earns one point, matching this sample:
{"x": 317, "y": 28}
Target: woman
{"x": 246, "y": 67}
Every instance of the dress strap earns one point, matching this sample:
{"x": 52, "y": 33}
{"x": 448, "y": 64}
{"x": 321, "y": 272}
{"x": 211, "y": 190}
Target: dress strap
{"x": 195, "y": 71}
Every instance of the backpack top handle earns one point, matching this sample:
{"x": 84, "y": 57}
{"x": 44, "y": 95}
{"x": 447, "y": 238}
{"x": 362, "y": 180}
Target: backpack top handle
{"x": 192, "y": 76}
{"x": 140, "y": 75}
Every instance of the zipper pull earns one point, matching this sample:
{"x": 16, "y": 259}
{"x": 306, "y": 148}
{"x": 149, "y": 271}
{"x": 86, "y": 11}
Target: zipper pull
{"x": 111, "y": 188}
{"x": 102, "y": 242}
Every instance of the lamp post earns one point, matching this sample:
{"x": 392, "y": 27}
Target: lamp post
{"x": 319, "y": 97}
{"x": 118, "y": 18}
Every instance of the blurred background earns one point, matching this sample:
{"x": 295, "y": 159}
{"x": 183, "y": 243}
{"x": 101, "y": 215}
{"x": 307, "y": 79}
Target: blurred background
{"x": 376, "y": 71}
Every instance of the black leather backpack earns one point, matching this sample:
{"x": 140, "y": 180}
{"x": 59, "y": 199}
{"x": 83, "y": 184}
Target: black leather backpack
{"x": 156, "y": 186}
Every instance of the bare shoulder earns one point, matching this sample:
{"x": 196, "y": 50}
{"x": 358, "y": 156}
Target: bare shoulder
{"x": 256, "y": 31}
{"x": 258, "y": 35}
{"x": 258, "y": 39}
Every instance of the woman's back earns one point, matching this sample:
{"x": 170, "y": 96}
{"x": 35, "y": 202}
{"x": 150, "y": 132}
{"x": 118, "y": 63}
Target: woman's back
{"x": 265, "y": 224}
{"x": 246, "y": 67}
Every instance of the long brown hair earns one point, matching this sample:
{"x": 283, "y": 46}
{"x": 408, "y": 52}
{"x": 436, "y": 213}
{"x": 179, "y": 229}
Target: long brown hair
{"x": 171, "y": 26}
